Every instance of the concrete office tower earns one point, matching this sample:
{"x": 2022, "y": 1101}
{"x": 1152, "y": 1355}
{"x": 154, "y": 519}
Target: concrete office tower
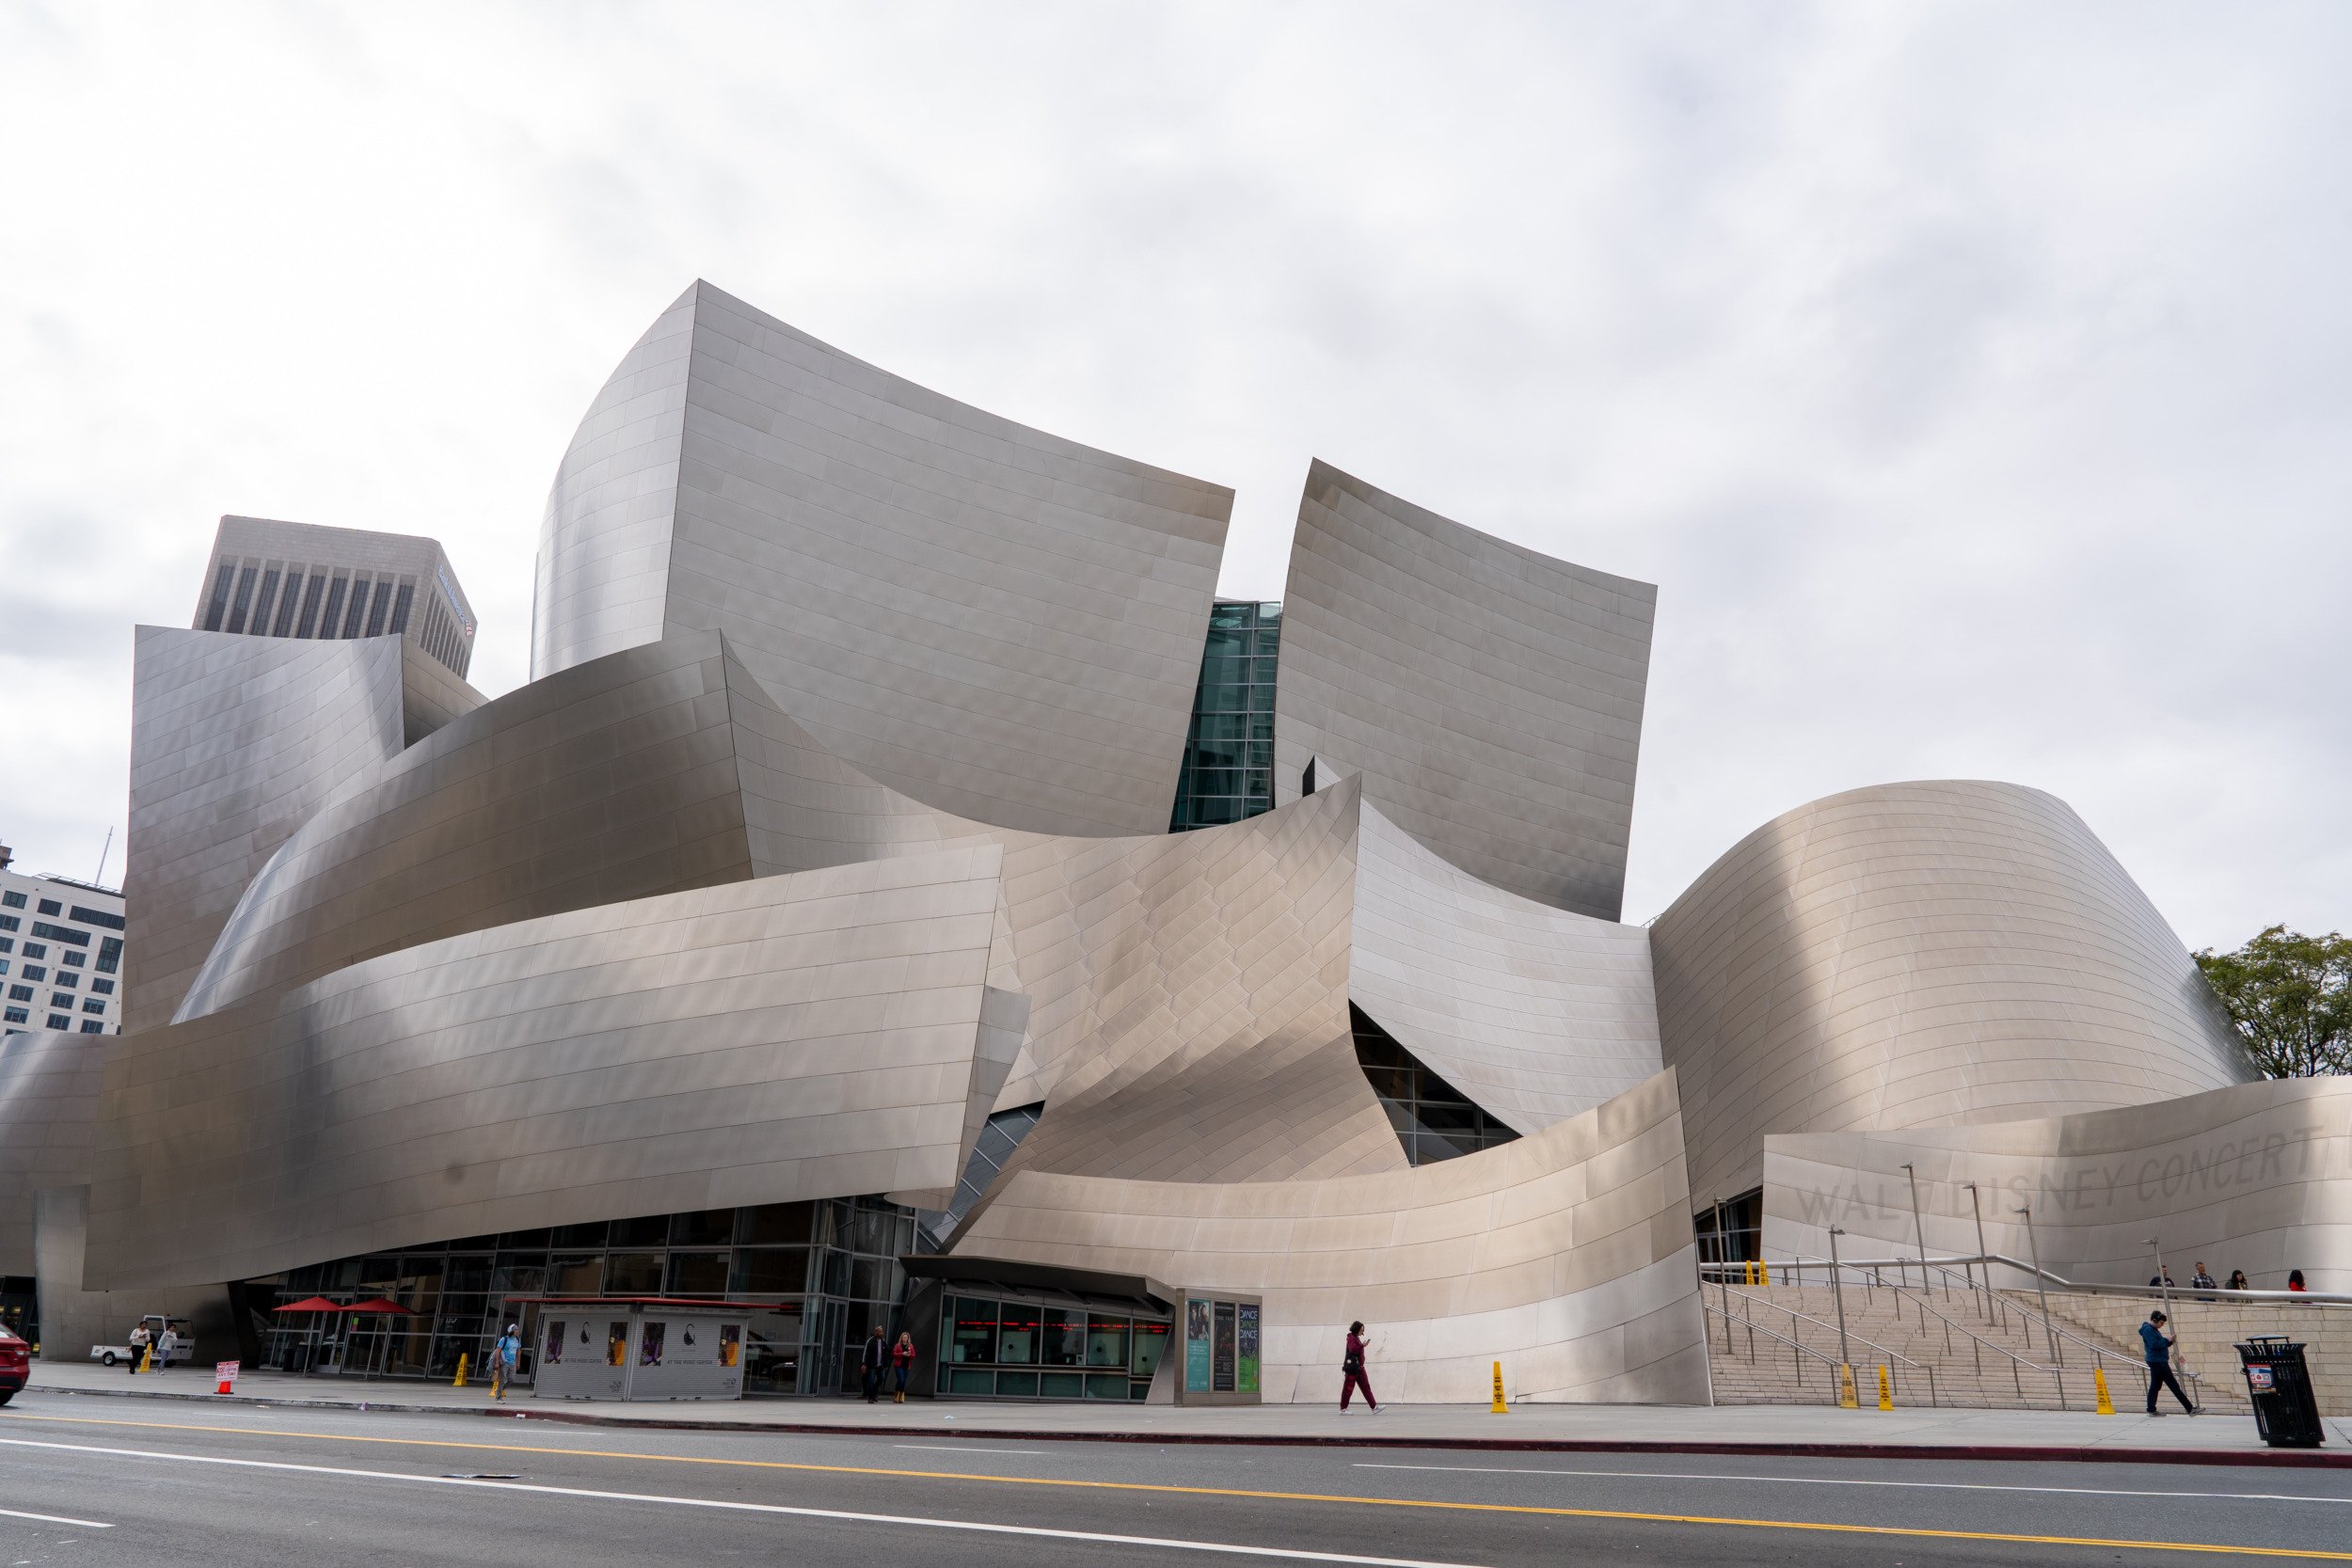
{"x": 61, "y": 954}
{"x": 297, "y": 579}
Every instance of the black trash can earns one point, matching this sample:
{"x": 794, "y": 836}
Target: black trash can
{"x": 2286, "y": 1412}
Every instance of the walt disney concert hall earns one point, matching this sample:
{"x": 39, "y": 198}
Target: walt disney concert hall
{"x": 904, "y": 893}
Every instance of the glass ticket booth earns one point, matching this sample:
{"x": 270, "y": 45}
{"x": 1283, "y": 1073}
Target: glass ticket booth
{"x": 995, "y": 1329}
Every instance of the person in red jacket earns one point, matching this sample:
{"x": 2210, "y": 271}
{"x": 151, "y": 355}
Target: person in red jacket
{"x": 1352, "y": 1370}
{"x": 903, "y": 1362}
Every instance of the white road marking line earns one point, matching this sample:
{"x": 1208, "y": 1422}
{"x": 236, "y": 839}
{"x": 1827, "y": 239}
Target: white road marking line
{"x": 960, "y": 1447}
{"x": 54, "y": 1519}
{"x": 1824, "y": 1481}
{"x": 1224, "y": 1548}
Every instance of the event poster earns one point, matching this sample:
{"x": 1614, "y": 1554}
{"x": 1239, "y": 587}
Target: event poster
{"x": 1197, "y": 1347}
{"x": 1247, "y": 1380}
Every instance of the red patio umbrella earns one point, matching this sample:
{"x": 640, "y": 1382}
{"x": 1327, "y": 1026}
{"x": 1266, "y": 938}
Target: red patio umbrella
{"x": 317, "y": 1303}
{"x": 379, "y": 1305}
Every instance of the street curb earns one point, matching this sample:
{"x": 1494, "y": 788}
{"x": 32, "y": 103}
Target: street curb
{"x": 2288, "y": 1459}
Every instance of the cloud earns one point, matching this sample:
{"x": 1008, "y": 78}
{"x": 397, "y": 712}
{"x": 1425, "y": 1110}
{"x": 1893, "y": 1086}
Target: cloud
{"x": 1971, "y": 379}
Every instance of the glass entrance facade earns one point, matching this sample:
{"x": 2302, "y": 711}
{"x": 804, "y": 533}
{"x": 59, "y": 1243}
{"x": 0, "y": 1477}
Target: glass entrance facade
{"x": 1009, "y": 1349}
{"x": 820, "y": 1273}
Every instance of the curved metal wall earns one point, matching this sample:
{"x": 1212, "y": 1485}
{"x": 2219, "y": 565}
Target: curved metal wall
{"x": 994, "y": 621}
{"x": 1491, "y": 697}
{"x": 783, "y": 1039}
{"x": 235, "y": 741}
{"x": 2255, "y": 1177}
{"x": 603, "y": 568}
{"x": 1535, "y": 1013}
{"x": 1920, "y": 954}
{"x": 48, "y": 1114}
{"x": 1566, "y": 1255}
{"x": 1190, "y": 1002}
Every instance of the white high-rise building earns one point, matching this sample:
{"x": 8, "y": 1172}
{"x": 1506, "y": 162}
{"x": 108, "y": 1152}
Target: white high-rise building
{"x": 61, "y": 953}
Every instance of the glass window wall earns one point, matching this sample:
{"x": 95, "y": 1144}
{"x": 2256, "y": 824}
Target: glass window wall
{"x": 1018, "y": 1350}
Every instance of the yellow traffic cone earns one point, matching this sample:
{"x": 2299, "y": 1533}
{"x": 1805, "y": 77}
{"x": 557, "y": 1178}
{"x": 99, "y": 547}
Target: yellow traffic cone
{"x": 2107, "y": 1404}
{"x": 146, "y": 1360}
{"x": 1845, "y": 1387}
{"x": 461, "y": 1374}
{"x": 1500, "y": 1408}
{"x": 1886, "y": 1391}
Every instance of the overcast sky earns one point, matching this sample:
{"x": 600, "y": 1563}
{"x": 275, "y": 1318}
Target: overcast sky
{"x": 1973, "y": 381}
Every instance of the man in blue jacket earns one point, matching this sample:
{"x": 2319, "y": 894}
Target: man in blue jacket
{"x": 2160, "y": 1374}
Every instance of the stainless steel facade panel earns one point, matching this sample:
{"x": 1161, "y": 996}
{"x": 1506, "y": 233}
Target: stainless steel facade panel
{"x": 235, "y": 742}
{"x": 1566, "y": 1255}
{"x": 615, "y": 779}
{"x": 49, "y": 1081}
{"x": 1189, "y": 1002}
{"x": 995, "y": 621}
{"x": 2255, "y": 1177}
{"x": 1922, "y": 955}
{"x": 790, "y": 1038}
{"x": 1491, "y": 697}
{"x": 1535, "y": 1013}
{"x": 603, "y": 570}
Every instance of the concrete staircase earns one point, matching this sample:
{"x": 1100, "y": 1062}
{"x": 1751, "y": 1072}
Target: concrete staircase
{"x": 1938, "y": 1349}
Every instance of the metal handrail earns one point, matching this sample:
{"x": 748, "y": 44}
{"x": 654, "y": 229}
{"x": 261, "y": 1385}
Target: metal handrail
{"x": 2024, "y": 1309}
{"x": 2059, "y": 1281}
{"x": 1825, "y": 1326}
{"x": 1802, "y": 1349}
{"x": 2048, "y": 1323}
{"x": 1892, "y": 1356}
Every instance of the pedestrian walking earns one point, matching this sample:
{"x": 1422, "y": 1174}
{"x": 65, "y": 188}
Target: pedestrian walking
{"x": 903, "y": 1362}
{"x": 138, "y": 1348}
{"x": 2238, "y": 1280}
{"x": 877, "y": 1356}
{"x": 1352, "y": 1376}
{"x": 504, "y": 1358}
{"x": 167, "y": 1345}
{"x": 2160, "y": 1375}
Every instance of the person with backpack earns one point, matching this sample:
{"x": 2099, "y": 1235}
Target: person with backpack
{"x": 2160, "y": 1373}
{"x": 877, "y": 1356}
{"x": 1352, "y": 1370}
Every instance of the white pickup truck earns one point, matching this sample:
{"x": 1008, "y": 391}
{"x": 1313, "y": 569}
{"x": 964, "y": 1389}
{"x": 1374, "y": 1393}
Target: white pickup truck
{"x": 115, "y": 1354}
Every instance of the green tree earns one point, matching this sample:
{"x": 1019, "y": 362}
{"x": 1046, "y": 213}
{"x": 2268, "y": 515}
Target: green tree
{"x": 2290, "y": 997}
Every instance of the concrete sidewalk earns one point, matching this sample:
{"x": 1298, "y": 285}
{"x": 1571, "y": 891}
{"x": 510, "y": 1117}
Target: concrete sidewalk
{"x": 1798, "y": 1430}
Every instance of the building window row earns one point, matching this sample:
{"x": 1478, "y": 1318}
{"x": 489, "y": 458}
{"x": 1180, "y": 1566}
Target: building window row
{"x": 277, "y": 600}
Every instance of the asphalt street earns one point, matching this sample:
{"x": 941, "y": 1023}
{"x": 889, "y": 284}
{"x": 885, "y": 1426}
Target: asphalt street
{"x": 249, "y": 1485}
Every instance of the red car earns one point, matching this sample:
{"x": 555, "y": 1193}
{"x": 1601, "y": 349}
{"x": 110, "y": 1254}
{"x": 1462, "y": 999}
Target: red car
{"x": 16, "y": 1364}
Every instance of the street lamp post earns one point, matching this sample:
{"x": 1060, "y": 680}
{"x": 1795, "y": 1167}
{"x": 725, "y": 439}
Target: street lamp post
{"x": 1918, "y": 1229}
{"x": 2049, "y": 1333}
{"x": 1983, "y": 1256}
{"x": 1837, "y": 1293}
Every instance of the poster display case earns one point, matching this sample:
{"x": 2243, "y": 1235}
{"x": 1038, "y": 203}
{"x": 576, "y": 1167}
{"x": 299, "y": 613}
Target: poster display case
{"x": 639, "y": 1348}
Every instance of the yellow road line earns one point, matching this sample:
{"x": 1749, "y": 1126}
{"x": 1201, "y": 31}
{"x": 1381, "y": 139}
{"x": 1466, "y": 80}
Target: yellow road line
{"x": 1899, "y": 1530}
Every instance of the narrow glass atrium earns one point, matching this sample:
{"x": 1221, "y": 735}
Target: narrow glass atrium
{"x": 1229, "y": 757}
